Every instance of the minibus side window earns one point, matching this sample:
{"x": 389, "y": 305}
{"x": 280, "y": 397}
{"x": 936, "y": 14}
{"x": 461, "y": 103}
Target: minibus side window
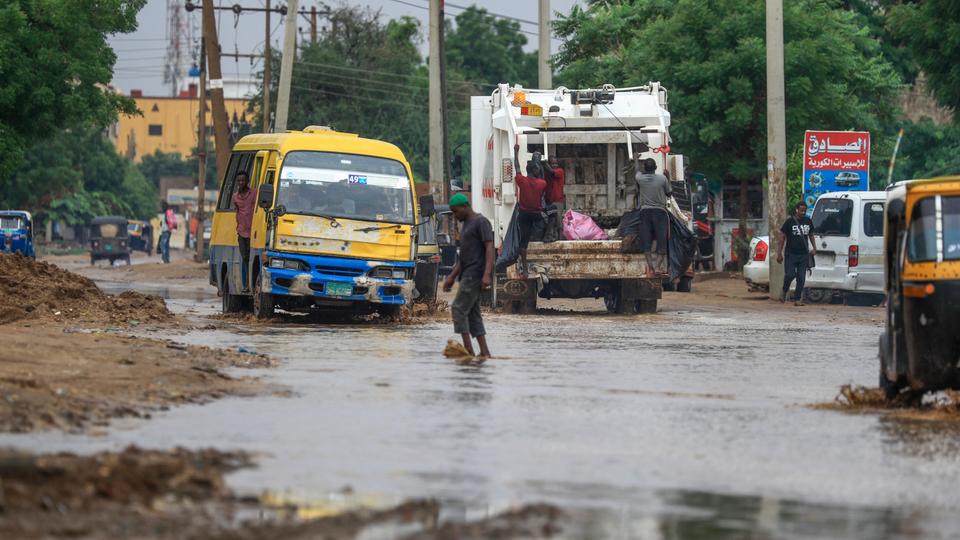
{"x": 239, "y": 161}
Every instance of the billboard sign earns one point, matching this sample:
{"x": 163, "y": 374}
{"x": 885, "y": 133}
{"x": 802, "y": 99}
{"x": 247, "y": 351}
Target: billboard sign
{"x": 835, "y": 161}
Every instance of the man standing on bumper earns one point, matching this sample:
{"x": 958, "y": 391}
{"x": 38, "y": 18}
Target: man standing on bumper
{"x": 794, "y": 234}
{"x": 653, "y": 190}
{"x": 474, "y": 269}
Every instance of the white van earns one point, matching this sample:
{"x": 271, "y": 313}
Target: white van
{"x": 848, "y": 227}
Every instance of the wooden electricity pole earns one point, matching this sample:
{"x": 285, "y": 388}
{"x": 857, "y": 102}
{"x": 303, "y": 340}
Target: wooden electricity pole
{"x": 221, "y": 129}
{"x": 201, "y": 153}
{"x": 313, "y": 25}
{"x": 776, "y": 140}
{"x": 286, "y": 66}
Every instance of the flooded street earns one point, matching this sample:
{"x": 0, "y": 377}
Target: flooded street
{"x": 693, "y": 422}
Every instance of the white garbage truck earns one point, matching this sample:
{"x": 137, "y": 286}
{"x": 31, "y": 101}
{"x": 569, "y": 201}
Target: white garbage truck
{"x": 595, "y": 134}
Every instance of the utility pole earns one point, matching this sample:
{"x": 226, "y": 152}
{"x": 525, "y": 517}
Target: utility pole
{"x": 776, "y": 139}
{"x": 201, "y": 152}
{"x": 438, "y": 128}
{"x": 267, "y": 64}
{"x": 546, "y": 73}
{"x": 286, "y": 66}
{"x": 221, "y": 131}
{"x": 313, "y": 25}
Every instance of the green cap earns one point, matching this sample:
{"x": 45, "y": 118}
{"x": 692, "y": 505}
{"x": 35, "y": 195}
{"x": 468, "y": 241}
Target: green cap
{"x": 459, "y": 200}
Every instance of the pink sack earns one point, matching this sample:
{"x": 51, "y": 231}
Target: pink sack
{"x": 577, "y": 226}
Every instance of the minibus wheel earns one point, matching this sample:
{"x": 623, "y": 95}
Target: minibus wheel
{"x": 230, "y": 302}
{"x": 263, "y": 303}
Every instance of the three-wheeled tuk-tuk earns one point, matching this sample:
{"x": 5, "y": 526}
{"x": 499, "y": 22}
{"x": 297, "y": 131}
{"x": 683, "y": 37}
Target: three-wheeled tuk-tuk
{"x": 16, "y": 233}
{"x": 920, "y": 344}
{"x": 109, "y": 239}
{"x": 141, "y": 236}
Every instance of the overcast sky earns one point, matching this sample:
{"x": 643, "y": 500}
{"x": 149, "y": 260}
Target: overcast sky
{"x": 141, "y": 55}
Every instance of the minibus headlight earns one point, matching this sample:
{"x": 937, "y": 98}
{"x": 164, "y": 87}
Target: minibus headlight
{"x": 287, "y": 264}
{"x": 389, "y": 272}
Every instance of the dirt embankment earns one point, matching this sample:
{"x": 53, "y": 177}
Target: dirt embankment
{"x": 181, "y": 494}
{"x": 77, "y": 376}
{"x": 38, "y": 290}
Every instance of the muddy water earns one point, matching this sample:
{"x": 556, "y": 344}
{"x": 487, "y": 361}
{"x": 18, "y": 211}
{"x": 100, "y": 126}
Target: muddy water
{"x": 684, "y": 424}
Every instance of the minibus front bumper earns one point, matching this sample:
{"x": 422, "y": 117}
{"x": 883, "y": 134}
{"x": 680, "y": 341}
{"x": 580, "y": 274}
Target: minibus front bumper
{"x": 337, "y": 279}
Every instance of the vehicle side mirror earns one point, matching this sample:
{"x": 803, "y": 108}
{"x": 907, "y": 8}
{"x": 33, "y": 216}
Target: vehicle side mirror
{"x": 427, "y": 207}
{"x": 265, "y": 196}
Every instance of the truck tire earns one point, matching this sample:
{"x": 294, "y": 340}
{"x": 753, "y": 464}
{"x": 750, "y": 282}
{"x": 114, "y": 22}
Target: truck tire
{"x": 263, "y": 303}
{"x": 685, "y": 284}
{"x": 229, "y": 303}
{"x": 521, "y": 307}
{"x": 645, "y": 306}
{"x": 818, "y": 296}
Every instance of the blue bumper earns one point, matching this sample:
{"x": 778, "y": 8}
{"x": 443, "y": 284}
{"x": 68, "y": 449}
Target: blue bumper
{"x": 335, "y": 279}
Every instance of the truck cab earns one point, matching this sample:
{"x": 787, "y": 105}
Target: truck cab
{"x": 597, "y": 135}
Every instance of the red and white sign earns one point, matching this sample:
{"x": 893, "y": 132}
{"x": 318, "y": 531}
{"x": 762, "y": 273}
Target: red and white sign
{"x": 836, "y": 150}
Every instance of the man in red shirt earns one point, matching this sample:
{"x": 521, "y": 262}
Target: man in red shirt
{"x": 555, "y": 178}
{"x": 244, "y": 201}
{"x": 530, "y": 216}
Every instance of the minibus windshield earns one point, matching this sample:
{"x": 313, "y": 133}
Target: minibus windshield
{"x": 10, "y": 223}
{"x": 346, "y": 186}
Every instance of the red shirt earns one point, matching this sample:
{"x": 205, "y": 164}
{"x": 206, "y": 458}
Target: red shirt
{"x": 555, "y": 189}
{"x": 244, "y": 203}
{"x": 531, "y": 193}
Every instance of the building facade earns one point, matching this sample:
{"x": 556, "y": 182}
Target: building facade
{"x": 169, "y": 124}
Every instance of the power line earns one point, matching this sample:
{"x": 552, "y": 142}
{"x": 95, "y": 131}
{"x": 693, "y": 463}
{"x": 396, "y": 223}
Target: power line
{"x": 464, "y": 8}
{"x": 403, "y": 75}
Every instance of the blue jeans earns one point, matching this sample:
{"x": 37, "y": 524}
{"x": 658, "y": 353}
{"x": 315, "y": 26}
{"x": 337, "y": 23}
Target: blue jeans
{"x": 165, "y": 246}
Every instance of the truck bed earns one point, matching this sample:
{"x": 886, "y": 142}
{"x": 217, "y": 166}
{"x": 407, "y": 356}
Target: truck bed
{"x": 582, "y": 259}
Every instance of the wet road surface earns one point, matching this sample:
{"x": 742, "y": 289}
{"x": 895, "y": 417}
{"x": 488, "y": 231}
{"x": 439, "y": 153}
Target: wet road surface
{"x": 686, "y": 424}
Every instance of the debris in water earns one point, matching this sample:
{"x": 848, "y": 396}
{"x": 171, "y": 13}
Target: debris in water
{"x": 456, "y": 351}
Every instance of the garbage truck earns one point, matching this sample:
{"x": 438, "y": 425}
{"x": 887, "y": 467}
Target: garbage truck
{"x": 595, "y": 134}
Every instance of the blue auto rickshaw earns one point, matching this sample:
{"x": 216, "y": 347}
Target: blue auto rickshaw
{"x": 16, "y": 233}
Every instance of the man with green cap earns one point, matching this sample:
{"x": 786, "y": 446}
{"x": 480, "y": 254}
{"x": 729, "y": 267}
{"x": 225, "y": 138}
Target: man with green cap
{"x": 474, "y": 269}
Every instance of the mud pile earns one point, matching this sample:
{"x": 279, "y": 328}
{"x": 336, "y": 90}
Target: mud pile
{"x": 52, "y": 379}
{"x": 180, "y": 494}
{"x": 941, "y": 405}
{"x": 31, "y": 289}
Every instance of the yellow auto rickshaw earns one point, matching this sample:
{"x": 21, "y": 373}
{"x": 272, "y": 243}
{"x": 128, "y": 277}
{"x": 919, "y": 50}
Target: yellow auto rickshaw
{"x": 920, "y": 345}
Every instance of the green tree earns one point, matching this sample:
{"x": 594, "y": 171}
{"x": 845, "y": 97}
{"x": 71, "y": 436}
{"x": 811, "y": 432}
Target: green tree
{"x": 928, "y": 149}
{"x": 55, "y": 68}
{"x": 76, "y": 175}
{"x": 931, "y": 30}
{"x": 489, "y": 50}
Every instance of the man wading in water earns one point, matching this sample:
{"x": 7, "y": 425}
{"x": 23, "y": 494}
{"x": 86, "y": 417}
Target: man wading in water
{"x": 475, "y": 272}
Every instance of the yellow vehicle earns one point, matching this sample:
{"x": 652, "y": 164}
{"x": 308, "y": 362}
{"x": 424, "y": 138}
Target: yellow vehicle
{"x": 334, "y": 226}
{"x": 920, "y": 345}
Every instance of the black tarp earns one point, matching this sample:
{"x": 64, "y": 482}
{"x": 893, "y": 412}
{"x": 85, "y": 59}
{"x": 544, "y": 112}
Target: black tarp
{"x": 681, "y": 248}
{"x": 510, "y": 249}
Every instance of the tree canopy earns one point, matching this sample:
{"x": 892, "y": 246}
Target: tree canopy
{"x": 931, "y": 30}
{"x": 486, "y": 48}
{"x": 711, "y": 58}
{"x": 55, "y": 67}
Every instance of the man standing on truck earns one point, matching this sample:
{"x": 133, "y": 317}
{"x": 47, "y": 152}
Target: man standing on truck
{"x": 530, "y": 215}
{"x": 474, "y": 269}
{"x": 244, "y": 201}
{"x": 653, "y": 190}
{"x": 794, "y": 234}
{"x": 555, "y": 179}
